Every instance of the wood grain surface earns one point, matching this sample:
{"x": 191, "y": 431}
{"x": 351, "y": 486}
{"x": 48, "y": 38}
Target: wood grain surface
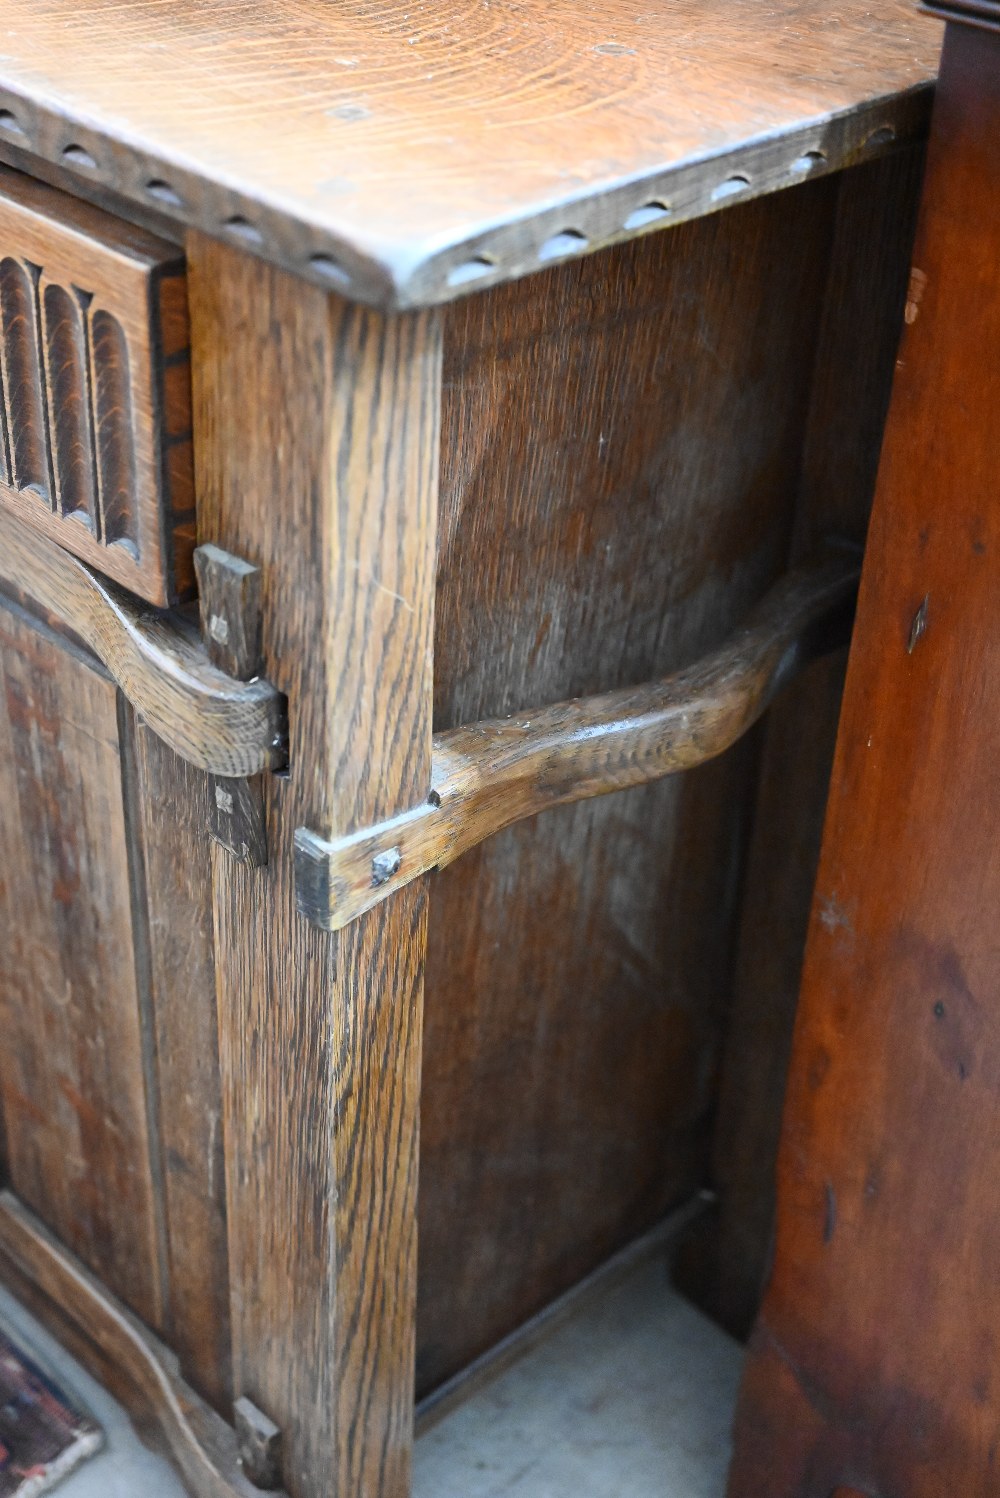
{"x": 216, "y": 723}
{"x": 622, "y": 443}
{"x": 486, "y": 776}
{"x": 72, "y": 1067}
{"x": 620, "y": 458}
{"x": 299, "y": 394}
{"x": 725, "y": 1262}
{"x": 170, "y": 806}
{"x": 95, "y": 404}
{"x": 874, "y": 1362}
{"x": 158, "y": 963}
{"x": 408, "y": 153}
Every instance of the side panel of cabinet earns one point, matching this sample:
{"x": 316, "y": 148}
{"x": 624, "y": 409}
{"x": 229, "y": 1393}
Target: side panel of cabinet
{"x": 622, "y": 441}
{"x": 633, "y": 447}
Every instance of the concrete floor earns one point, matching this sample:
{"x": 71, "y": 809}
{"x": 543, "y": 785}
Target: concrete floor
{"x": 632, "y": 1397}
{"x": 123, "y": 1468}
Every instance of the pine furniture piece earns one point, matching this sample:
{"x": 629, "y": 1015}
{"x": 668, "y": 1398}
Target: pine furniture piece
{"x": 873, "y": 1367}
{"x": 299, "y": 318}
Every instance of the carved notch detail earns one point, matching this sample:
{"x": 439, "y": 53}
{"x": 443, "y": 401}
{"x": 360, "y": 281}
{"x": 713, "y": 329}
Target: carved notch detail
{"x": 67, "y": 403}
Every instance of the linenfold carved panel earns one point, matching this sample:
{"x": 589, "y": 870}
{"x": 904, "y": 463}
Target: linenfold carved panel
{"x": 95, "y": 440}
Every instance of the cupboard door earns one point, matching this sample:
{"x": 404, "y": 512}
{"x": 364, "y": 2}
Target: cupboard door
{"x": 109, "y": 1086}
{"x": 75, "y": 1039}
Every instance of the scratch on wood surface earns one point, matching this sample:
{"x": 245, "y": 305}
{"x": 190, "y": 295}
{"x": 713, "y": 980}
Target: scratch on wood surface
{"x": 914, "y": 295}
{"x": 374, "y": 583}
{"x": 919, "y": 624}
{"x": 833, "y": 915}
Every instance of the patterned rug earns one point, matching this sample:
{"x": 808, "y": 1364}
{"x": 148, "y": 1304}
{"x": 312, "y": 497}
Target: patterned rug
{"x": 42, "y": 1434}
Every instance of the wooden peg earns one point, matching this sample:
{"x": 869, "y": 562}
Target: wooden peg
{"x": 236, "y": 818}
{"x": 259, "y": 1441}
{"x": 229, "y": 600}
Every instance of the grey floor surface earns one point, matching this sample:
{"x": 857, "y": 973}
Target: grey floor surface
{"x": 631, "y": 1398}
{"x": 123, "y": 1468}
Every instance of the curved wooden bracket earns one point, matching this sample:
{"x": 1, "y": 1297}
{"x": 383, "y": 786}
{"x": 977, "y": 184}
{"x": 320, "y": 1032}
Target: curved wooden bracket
{"x": 488, "y": 775}
{"x": 224, "y": 726}
{"x": 121, "y": 1352}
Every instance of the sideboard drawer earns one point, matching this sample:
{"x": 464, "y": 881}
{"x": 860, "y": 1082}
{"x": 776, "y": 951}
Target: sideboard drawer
{"x": 95, "y": 419}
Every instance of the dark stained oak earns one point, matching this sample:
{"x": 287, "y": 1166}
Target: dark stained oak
{"x": 485, "y": 776}
{"x": 236, "y": 818}
{"x": 405, "y": 155}
{"x": 145, "y": 981}
{"x": 95, "y": 398}
{"x": 873, "y": 1365}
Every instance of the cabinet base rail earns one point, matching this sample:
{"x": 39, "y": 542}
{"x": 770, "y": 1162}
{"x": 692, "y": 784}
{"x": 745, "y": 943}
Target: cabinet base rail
{"x": 119, "y": 1350}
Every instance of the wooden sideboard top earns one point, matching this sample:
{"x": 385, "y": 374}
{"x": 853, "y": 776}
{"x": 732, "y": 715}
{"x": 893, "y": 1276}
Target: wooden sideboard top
{"x": 408, "y": 152}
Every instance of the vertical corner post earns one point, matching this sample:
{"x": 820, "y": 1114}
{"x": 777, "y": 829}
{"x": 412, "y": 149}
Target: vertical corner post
{"x": 316, "y": 425}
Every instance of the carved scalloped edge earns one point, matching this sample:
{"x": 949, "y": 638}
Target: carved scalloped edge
{"x": 202, "y": 1445}
{"x": 227, "y": 727}
{"x": 984, "y": 13}
{"x": 424, "y": 275}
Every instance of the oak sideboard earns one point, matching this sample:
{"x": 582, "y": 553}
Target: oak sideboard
{"x": 431, "y": 437}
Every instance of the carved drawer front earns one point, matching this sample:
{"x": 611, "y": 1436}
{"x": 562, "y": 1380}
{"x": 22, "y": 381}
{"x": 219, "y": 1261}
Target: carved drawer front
{"x": 95, "y": 420}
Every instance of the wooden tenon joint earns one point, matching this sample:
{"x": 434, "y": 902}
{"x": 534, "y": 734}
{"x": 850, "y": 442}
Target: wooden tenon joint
{"x": 260, "y": 1445}
{"x": 229, "y": 605}
{"x": 486, "y": 776}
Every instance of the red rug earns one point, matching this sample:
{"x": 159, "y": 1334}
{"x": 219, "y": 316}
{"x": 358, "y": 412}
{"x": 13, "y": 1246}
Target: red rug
{"x": 42, "y": 1433}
